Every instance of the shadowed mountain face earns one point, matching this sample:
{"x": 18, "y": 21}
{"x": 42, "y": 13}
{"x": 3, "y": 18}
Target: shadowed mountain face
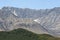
{"x": 38, "y": 21}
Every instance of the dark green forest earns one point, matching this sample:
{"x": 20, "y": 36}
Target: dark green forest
{"x": 22, "y": 34}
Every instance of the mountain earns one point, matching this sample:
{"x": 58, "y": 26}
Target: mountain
{"x": 23, "y": 34}
{"x": 43, "y": 21}
{"x": 51, "y": 23}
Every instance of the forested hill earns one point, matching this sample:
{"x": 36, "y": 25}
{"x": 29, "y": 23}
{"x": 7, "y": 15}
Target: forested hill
{"x": 22, "y": 34}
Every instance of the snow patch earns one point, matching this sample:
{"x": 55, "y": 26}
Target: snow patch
{"x": 37, "y": 20}
{"x": 15, "y": 13}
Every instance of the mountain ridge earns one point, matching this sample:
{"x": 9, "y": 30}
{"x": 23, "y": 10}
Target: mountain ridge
{"x": 12, "y": 18}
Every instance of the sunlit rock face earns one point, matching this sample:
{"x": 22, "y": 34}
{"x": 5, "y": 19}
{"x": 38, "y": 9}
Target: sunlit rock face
{"x": 51, "y": 23}
{"x": 43, "y": 21}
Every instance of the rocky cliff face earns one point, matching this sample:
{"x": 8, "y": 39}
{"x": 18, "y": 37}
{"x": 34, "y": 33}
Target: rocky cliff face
{"x": 38, "y": 21}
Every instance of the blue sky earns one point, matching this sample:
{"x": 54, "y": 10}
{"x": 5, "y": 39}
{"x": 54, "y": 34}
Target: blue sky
{"x": 33, "y": 4}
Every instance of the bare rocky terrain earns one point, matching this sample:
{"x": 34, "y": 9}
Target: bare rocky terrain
{"x": 39, "y": 21}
